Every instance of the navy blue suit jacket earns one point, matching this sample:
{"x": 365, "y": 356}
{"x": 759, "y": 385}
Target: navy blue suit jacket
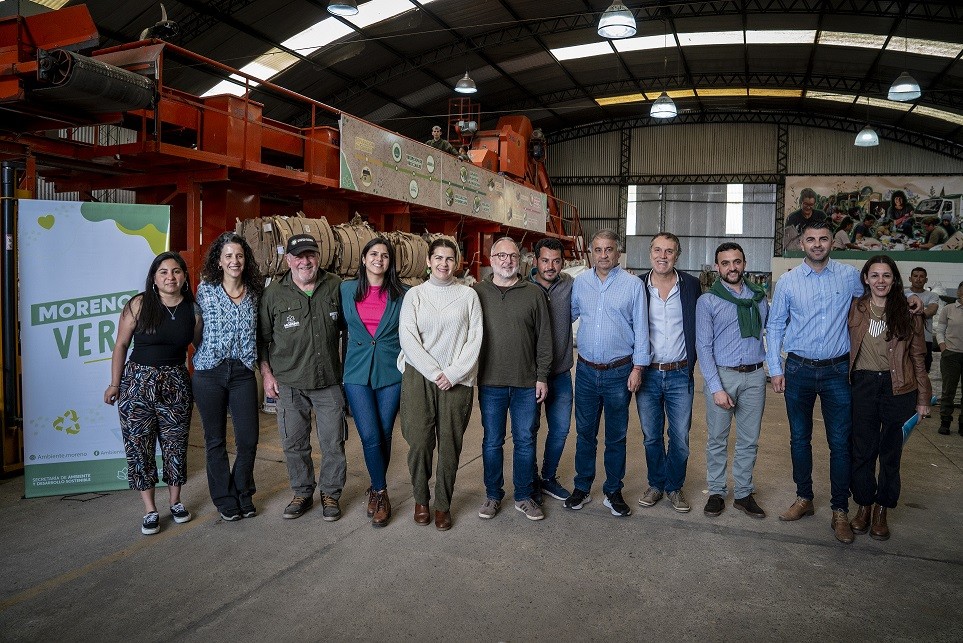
{"x": 690, "y": 290}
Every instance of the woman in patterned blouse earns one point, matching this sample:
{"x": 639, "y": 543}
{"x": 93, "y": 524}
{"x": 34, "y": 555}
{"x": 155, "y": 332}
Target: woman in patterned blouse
{"x": 224, "y": 366}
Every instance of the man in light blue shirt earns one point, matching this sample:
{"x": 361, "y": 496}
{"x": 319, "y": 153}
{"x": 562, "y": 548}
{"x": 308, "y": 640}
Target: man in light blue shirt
{"x": 816, "y": 297}
{"x": 664, "y": 400}
{"x": 729, "y": 323}
{"x": 613, "y": 348}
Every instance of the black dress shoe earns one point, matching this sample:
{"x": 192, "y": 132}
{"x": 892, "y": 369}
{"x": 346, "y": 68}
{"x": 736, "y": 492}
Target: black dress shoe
{"x": 715, "y": 505}
{"x": 944, "y": 429}
{"x": 749, "y": 507}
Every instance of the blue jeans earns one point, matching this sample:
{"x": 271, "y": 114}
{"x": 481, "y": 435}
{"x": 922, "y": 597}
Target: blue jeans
{"x": 558, "y": 414}
{"x": 597, "y": 391}
{"x": 831, "y": 384}
{"x": 374, "y": 411}
{"x": 666, "y": 395}
{"x": 496, "y": 403}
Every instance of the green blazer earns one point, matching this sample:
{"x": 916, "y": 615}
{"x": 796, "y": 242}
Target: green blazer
{"x": 370, "y": 361}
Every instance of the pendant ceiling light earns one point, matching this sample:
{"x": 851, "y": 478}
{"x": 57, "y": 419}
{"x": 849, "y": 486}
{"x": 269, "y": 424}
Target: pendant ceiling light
{"x": 904, "y": 88}
{"x": 867, "y": 137}
{"x": 342, "y": 7}
{"x": 466, "y": 85}
{"x": 663, "y": 107}
{"x": 617, "y": 22}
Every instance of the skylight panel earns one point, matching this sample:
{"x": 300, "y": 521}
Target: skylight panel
{"x": 641, "y": 43}
{"x": 950, "y": 117}
{"x": 781, "y": 37}
{"x": 729, "y": 91}
{"x": 924, "y": 47}
{"x": 377, "y": 11}
{"x": 711, "y": 38}
{"x": 619, "y": 100}
{"x": 582, "y": 51}
{"x": 843, "y": 39}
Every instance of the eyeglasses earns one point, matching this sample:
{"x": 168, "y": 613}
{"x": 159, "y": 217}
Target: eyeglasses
{"x": 503, "y": 256}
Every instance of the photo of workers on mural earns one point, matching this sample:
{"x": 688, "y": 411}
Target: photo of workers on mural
{"x": 878, "y": 213}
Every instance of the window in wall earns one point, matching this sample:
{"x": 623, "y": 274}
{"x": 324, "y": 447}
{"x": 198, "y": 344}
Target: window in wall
{"x": 734, "y": 205}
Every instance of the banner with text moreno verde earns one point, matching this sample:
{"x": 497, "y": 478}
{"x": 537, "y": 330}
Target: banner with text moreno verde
{"x": 79, "y": 264}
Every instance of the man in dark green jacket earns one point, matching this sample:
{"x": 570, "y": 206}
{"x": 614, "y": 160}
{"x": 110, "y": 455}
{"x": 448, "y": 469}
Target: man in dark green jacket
{"x": 516, "y": 358}
{"x": 299, "y": 325}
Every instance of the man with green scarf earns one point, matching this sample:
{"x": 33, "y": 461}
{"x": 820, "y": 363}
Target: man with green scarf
{"x": 729, "y": 323}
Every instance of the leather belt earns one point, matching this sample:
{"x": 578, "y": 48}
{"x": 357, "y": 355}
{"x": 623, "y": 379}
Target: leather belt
{"x": 820, "y": 363}
{"x": 669, "y": 366}
{"x": 744, "y": 368}
{"x": 622, "y": 361}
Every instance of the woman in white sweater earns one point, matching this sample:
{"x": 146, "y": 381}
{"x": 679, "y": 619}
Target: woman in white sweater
{"x": 441, "y": 335}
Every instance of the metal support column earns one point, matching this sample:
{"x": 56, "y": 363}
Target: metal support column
{"x": 12, "y": 419}
{"x": 625, "y": 159}
{"x": 782, "y": 168}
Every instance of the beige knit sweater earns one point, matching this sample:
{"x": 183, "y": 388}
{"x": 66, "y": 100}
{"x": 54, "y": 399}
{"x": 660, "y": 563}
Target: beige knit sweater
{"x": 441, "y": 332}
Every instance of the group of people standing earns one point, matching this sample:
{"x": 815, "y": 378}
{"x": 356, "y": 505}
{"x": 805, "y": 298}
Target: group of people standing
{"x": 422, "y": 351}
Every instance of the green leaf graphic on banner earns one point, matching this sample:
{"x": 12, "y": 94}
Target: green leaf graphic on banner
{"x": 46, "y": 222}
{"x": 133, "y": 219}
{"x": 69, "y": 416}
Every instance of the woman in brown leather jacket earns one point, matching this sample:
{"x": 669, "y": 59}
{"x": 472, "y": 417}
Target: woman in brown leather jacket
{"x": 890, "y": 384}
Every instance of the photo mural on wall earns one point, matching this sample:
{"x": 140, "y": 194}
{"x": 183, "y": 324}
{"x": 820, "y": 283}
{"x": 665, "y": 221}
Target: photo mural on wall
{"x": 874, "y": 213}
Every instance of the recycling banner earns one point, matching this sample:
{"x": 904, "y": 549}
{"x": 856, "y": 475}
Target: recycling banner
{"x": 80, "y": 263}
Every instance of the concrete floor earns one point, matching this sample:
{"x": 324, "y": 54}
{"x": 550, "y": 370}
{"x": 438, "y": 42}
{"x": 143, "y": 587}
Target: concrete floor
{"x": 78, "y": 567}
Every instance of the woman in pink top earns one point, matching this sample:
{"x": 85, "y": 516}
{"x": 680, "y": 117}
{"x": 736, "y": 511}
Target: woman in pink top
{"x": 372, "y": 382}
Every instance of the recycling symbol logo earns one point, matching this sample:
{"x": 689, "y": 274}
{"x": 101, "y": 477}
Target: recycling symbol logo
{"x": 69, "y": 423}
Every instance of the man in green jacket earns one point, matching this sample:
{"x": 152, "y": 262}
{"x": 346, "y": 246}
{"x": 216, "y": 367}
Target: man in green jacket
{"x": 299, "y": 325}
{"x": 516, "y": 358}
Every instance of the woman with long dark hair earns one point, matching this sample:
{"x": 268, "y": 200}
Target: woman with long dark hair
{"x": 224, "y": 364}
{"x": 372, "y": 381}
{"x": 441, "y": 335}
{"x": 888, "y": 373}
{"x": 153, "y": 389}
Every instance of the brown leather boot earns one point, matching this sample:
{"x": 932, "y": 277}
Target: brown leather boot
{"x": 840, "y": 525}
{"x": 372, "y": 500}
{"x": 879, "y": 530}
{"x": 421, "y": 514}
{"x": 442, "y": 520}
{"x": 860, "y": 523}
{"x": 799, "y": 508}
{"x": 382, "y": 511}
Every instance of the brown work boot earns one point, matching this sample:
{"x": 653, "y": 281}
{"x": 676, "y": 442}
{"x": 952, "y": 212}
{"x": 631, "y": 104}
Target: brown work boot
{"x": 372, "y": 500}
{"x": 382, "y": 510}
{"x": 860, "y": 523}
{"x": 840, "y": 524}
{"x": 799, "y": 508}
{"x": 879, "y": 530}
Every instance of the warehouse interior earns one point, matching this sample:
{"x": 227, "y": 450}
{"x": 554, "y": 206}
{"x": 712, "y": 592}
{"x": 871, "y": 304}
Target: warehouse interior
{"x": 243, "y": 117}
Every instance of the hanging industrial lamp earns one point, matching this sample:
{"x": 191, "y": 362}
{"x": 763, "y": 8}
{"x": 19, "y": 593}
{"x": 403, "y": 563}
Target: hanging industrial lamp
{"x": 342, "y": 7}
{"x": 867, "y": 137}
{"x": 617, "y": 22}
{"x": 663, "y": 107}
{"x": 904, "y": 88}
{"x": 466, "y": 85}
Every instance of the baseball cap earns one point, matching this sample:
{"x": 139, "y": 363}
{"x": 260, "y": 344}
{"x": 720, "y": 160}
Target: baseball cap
{"x": 301, "y": 243}
{"x": 947, "y": 216}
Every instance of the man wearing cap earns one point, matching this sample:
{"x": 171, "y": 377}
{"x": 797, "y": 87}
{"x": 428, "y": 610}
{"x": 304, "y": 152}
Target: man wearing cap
{"x": 437, "y": 142}
{"x": 299, "y": 325}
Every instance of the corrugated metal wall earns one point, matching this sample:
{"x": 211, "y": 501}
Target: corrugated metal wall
{"x": 821, "y": 151}
{"x": 588, "y": 156}
{"x": 598, "y": 206}
{"x": 702, "y": 149}
{"x": 45, "y": 191}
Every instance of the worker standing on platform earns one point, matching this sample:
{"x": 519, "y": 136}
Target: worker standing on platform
{"x": 437, "y": 142}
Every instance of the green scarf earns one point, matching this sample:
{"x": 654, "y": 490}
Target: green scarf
{"x": 747, "y": 310}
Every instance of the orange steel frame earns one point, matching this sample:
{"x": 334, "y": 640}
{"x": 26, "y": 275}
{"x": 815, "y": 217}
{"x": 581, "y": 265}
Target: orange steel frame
{"x": 217, "y": 159}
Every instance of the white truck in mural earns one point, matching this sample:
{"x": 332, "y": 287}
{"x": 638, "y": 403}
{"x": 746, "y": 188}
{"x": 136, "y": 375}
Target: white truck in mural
{"x": 937, "y": 206}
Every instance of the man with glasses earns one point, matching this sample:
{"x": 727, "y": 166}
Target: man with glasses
{"x": 516, "y": 357}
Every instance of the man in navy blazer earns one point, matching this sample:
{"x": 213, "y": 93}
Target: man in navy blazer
{"x": 668, "y": 385}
